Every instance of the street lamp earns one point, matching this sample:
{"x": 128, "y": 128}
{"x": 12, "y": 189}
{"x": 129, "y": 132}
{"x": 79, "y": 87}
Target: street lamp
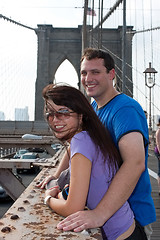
{"x": 150, "y": 82}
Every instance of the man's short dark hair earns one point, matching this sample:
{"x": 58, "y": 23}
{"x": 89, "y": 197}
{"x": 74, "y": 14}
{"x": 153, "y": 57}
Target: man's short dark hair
{"x": 91, "y": 53}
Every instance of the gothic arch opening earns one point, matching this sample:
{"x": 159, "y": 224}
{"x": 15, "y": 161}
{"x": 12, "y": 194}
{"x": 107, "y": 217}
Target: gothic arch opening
{"x": 66, "y": 73}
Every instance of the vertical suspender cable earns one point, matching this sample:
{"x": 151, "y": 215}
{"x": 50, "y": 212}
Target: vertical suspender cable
{"x": 99, "y": 14}
{"x": 123, "y": 49}
{"x": 101, "y": 28}
{"x": 152, "y": 62}
{"x": 91, "y": 32}
{"x": 84, "y": 36}
{"x": 151, "y": 33}
{"x": 84, "y": 27}
{"x": 136, "y": 75}
{"x": 144, "y": 51}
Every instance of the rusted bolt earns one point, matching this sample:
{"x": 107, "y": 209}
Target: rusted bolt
{"x": 21, "y": 209}
{"x": 14, "y": 217}
{"x": 26, "y": 202}
{"x": 6, "y": 229}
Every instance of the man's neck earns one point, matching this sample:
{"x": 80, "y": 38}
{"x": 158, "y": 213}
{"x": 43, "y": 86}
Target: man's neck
{"x": 105, "y": 99}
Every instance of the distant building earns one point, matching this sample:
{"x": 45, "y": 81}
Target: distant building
{"x": 21, "y": 114}
{"x": 2, "y": 116}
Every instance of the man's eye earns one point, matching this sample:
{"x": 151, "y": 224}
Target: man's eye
{"x": 83, "y": 73}
{"x": 95, "y": 72}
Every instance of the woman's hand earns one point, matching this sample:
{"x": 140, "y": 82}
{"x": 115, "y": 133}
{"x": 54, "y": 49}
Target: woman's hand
{"x": 54, "y": 191}
{"x": 43, "y": 183}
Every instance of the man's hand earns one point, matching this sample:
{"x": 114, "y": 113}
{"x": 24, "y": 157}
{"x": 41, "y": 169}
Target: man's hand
{"x": 80, "y": 220}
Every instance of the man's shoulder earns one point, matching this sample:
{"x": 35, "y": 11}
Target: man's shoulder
{"x": 125, "y": 103}
{"x": 125, "y": 99}
{"x": 120, "y": 103}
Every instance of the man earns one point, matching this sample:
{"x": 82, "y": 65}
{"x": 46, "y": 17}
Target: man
{"x": 125, "y": 119}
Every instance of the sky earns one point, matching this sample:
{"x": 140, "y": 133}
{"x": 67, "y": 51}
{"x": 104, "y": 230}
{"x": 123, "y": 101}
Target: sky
{"x": 18, "y": 46}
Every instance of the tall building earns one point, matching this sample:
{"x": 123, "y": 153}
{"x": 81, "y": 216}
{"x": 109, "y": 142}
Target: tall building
{"x": 21, "y": 114}
{"x": 2, "y": 116}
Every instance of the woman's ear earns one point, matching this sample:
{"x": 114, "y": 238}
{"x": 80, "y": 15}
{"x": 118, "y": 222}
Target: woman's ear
{"x": 80, "y": 119}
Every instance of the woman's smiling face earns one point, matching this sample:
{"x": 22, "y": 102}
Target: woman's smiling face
{"x": 62, "y": 120}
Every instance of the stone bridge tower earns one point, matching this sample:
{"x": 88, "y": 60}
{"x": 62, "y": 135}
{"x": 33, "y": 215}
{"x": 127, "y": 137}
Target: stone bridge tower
{"x": 58, "y": 44}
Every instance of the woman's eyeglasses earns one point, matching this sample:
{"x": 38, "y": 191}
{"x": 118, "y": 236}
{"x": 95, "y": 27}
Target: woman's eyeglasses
{"x": 60, "y": 114}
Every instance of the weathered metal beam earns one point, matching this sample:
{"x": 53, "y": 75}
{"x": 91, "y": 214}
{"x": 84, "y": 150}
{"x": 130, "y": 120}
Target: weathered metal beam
{"x": 29, "y": 218}
{"x": 11, "y": 183}
{"x": 26, "y": 163}
{"x": 28, "y": 142}
{"x": 16, "y": 163}
{"x": 44, "y": 143}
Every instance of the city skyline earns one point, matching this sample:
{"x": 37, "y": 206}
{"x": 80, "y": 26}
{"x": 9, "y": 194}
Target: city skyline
{"x": 20, "y": 114}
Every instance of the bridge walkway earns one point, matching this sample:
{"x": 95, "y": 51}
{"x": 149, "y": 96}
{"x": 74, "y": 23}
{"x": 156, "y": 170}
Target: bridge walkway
{"x": 153, "y": 166}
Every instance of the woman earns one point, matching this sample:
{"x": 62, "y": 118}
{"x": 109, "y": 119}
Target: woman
{"x": 93, "y": 162}
{"x": 157, "y": 153}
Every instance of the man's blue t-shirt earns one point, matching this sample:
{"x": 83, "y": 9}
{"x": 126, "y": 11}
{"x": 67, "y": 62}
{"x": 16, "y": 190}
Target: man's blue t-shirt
{"x": 122, "y": 115}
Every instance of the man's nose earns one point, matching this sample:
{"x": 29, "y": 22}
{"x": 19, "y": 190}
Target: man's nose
{"x": 88, "y": 76}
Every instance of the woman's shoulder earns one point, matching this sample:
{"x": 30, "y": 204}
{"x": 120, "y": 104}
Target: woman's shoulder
{"x": 82, "y": 143}
{"x": 83, "y": 135}
{"x": 83, "y": 139}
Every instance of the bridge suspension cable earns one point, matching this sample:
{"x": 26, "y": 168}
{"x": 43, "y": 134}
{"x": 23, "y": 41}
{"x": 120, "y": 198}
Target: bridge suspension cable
{"x": 112, "y": 9}
{"x": 15, "y": 22}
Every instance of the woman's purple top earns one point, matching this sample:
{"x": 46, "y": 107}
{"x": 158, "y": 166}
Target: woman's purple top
{"x": 100, "y": 180}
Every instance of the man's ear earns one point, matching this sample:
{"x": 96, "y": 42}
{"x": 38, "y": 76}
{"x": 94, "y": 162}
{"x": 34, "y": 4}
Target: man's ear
{"x": 112, "y": 74}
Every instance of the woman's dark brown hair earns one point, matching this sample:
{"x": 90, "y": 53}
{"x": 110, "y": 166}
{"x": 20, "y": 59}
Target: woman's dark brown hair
{"x": 74, "y": 99}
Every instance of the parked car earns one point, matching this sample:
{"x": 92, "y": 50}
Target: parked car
{"x": 20, "y": 153}
{"x": 30, "y": 155}
{"x": 56, "y": 146}
{"x": 3, "y": 195}
{"x": 36, "y": 150}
